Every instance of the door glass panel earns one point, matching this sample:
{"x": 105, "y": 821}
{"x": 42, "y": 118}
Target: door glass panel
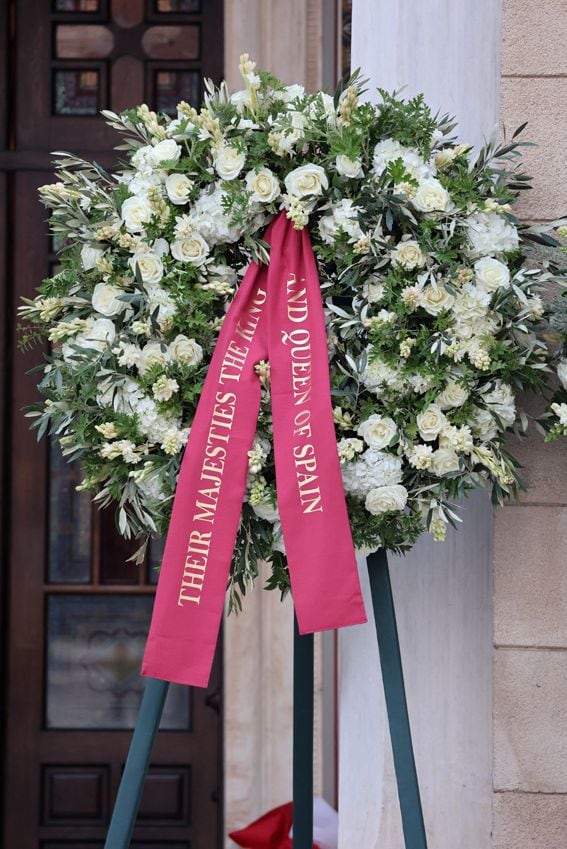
{"x": 69, "y": 534}
{"x": 173, "y": 86}
{"x": 168, "y": 7}
{"x": 88, "y": 6}
{"x": 94, "y": 651}
{"x": 76, "y": 92}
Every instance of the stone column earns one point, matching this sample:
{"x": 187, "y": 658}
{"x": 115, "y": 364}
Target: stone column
{"x": 448, "y": 49}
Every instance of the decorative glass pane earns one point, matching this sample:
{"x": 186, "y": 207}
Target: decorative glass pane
{"x": 95, "y": 645}
{"x": 155, "y": 556}
{"x": 88, "y": 6}
{"x": 168, "y": 7}
{"x": 115, "y": 552}
{"x": 171, "y": 42}
{"x": 76, "y": 92}
{"x": 83, "y": 41}
{"x": 69, "y": 546}
{"x": 173, "y": 86}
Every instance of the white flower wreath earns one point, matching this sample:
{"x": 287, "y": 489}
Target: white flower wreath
{"x": 432, "y": 313}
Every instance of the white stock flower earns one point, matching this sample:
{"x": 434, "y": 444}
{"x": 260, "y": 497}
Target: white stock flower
{"x": 408, "y": 254}
{"x": 165, "y": 151}
{"x": 351, "y": 168}
{"x": 136, "y": 213}
{"x": 453, "y": 395}
{"x": 430, "y": 423}
{"x": 386, "y": 499}
{"x": 178, "y": 188}
{"x": 91, "y": 252}
{"x": 491, "y": 274}
{"x": 377, "y": 432}
{"x": 560, "y": 411}
{"x": 489, "y": 233}
{"x": 562, "y": 373}
{"x": 420, "y": 456}
{"x": 149, "y": 265}
{"x": 500, "y": 401}
{"x": 229, "y": 162}
{"x": 265, "y": 509}
{"x": 431, "y": 196}
{"x": 373, "y": 290}
{"x": 306, "y": 180}
{"x": 263, "y": 185}
{"x": 185, "y": 350}
{"x": 164, "y": 388}
{"x": 435, "y": 299}
{"x": 105, "y": 299}
{"x": 192, "y": 249}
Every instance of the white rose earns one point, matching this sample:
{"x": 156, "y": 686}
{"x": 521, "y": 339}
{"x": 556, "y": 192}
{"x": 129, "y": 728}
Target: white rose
{"x": 562, "y": 373}
{"x": 229, "y": 162}
{"x": 105, "y": 299}
{"x": 435, "y": 299}
{"x": 377, "y": 432}
{"x": 185, "y": 350}
{"x": 266, "y": 510}
{"x": 291, "y": 92}
{"x": 444, "y": 461}
{"x": 372, "y": 290}
{"x": 152, "y": 354}
{"x": 385, "y": 499}
{"x": 306, "y": 180}
{"x": 348, "y": 167}
{"x": 454, "y": 395}
{"x": 193, "y": 249}
{"x": 431, "y": 197}
{"x": 491, "y": 274}
{"x": 90, "y": 254}
{"x": 136, "y": 213}
{"x": 165, "y": 151}
{"x": 178, "y": 187}
{"x": 408, "y": 254}
{"x": 98, "y": 335}
{"x": 263, "y": 185}
{"x": 149, "y": 265}
{"x": 430, "y": 423}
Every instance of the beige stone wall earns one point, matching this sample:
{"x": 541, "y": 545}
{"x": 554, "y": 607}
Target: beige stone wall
{"x": 530, "y": 547}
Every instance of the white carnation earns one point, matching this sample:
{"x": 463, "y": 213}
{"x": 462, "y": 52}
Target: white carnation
{"x": 153, "y": 353}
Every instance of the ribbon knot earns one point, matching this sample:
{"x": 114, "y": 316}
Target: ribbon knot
{"x": 277, "y": 315}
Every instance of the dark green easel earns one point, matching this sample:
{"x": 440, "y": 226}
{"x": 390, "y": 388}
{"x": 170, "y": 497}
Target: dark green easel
{"x": 130, "y": 791}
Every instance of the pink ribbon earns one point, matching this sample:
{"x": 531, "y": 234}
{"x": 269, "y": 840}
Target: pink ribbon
{"x": 277, "y": 315}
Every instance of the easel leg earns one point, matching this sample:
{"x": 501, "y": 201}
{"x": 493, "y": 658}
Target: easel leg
{"x": 302, "y": 740}
{"x": 132, "y": 783}
{"x": 396, "y": 704}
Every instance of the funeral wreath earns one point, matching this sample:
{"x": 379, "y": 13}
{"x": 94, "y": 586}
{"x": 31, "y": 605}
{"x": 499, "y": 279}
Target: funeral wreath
{"x": 432, "y": 310}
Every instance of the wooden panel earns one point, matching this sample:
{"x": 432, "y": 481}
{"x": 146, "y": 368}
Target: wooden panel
{"x": 75, "y": 795}
{"x": 167, "y": 796}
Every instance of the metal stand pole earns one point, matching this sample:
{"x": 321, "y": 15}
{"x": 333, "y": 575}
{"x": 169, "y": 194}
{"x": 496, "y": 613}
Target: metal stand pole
{"x": 396, "y": 704}
{"x": 302, "y": 740}
{"x": 133, "y": 777}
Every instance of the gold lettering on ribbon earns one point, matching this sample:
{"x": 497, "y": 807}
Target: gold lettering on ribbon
{"x": 212, "y": 469}
{"x": 304, "y": 456}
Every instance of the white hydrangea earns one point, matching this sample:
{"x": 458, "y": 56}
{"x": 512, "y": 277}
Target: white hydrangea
{"x": 500, "y": 400}
{"x": 490, "y": 233}
{"x": 378, "y": 375}
{"x": 389, "y": 150}
{"x": 342, "y": 216}
{"x": 373, "y": 468}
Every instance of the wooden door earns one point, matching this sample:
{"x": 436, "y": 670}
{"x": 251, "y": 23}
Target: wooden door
{"x": 77, "y": 613}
